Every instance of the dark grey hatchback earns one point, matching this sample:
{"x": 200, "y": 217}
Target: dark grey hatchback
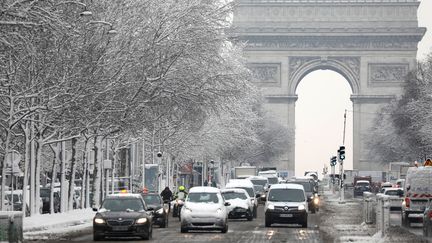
{"x": 122, "y": 215}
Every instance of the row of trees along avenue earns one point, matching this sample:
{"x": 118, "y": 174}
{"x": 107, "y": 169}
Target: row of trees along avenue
{"x": 81, "y": 76}
{"x": 403, "y": 128}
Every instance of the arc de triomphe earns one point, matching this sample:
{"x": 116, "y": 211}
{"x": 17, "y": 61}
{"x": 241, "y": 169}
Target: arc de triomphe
{"x": 372, "y": 43}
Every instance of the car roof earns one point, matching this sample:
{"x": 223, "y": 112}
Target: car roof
{"x": 393, "y": 189}
{"x": 124, "y": 195}
{"x": 204, "y": 189}
{"x": 363, "y": 181}
{"x": 297, "y": 178}
{"x": 257, "y": 178}
{"x": 240, "y": 190}
{"x": 287, "y": 186}
{"x": 239, "y": 182}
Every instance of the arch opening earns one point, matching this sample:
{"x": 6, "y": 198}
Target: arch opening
{"x": 323, "y": 97}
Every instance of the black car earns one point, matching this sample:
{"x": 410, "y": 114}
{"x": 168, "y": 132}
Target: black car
{"x": 122, "y": 215}
{"x": 311, "y": 191}
{"x": 45, "y": 194}
{"x": 155, "y": 203}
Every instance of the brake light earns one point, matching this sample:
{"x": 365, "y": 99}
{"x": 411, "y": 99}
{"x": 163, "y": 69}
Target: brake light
{"x": 430, "y": 214}
{"x": 407, "y": 202}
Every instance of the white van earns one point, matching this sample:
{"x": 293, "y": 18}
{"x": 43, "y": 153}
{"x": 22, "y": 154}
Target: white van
{"x": 249, "y": 187}
{"x": 286, "y": 203}
{"x": 418, "y": 191}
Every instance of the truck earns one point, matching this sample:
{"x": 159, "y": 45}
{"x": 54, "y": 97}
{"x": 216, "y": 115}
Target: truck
{"x": 349, "y": 177}
{"x": 418, "y": 192}
{"x": 377, "y": 176}
{"x": 397, "y": 170}
{"x": 362, "y": 184}
{"x": 244, "y": 172}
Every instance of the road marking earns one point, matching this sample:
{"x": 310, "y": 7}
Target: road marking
{"x": 270, "y": 234}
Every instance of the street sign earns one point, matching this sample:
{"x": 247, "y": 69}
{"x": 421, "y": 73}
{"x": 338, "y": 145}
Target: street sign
{"x": 13, "y": 157}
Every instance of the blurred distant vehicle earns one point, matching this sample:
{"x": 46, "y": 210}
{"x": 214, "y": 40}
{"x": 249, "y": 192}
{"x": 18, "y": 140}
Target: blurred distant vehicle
{"x": 155, "y": 204}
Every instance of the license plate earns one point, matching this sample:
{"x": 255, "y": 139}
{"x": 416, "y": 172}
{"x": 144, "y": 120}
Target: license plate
{"x": 286, "y": 215}
{"x": 120, "y": 228}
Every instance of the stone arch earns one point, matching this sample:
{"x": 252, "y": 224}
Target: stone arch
{"x": 348, "y": 67}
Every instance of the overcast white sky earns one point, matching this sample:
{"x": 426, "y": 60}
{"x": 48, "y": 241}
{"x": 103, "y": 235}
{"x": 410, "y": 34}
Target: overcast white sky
{"x": 323, "y": 98}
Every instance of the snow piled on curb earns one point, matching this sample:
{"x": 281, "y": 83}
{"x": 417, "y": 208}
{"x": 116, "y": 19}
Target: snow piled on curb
{"x": 343, "y": 223}
{"x": 44, "y": 226}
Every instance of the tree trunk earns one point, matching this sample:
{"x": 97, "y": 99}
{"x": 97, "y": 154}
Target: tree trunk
{"x": 32, "y": 168}
{"x": 63, "y": 193}
{"x": 57, "y": 158}
{"x": 37, "y": 171}
{"x": 84, "y": 191}
{"x": 96, "y": 177}
{"x": 72, "y": 175}
{"x": 26, "y": 198}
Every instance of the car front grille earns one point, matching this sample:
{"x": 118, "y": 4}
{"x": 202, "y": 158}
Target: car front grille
{"x": 282, "y": 208}
{"x": 203, "y": 224}
{"x": 120, "y": 223}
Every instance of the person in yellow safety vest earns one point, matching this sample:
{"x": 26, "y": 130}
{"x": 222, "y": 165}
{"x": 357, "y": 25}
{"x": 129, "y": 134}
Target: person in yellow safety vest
{"x": 181, "y": 193}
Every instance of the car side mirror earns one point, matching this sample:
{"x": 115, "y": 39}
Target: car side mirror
{"x": 226, "y": 204}
{"x": 150, "y": 209}
{"x": 258, "y": 195}
{"x": 95, "y": 209}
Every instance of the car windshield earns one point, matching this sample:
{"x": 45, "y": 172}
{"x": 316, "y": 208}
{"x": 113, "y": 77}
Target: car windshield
{"x": 259, "y": 182}
{"x": 258, "y": 188}
{"x": 152, "y": 199}
{"x": 249, "y": 190}
{"x": 234, "y": 195}
{"x": 306, "y": 185}
{"x": 15, "y": 198}
{"x": 362, "y": 184}
{"x": 286, "y": 195}
{"x": 202, "y": 197}
{"x": 123, "y": 204}
{"x": 273, "y": 180}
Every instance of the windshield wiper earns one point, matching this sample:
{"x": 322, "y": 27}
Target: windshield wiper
{"x": 130, "y": 210}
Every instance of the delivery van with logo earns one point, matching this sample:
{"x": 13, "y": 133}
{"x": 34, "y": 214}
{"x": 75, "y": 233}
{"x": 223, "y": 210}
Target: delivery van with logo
{"x": 418, "y": 191}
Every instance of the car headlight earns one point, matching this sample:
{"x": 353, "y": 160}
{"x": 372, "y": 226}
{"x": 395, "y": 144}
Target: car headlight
{"x": 160, "y": 211}
{"x": 141, "y": 220}
{"x": 301, "y": 207}
{"x": 99, "y": 221}
{"x": 271, "y": 207}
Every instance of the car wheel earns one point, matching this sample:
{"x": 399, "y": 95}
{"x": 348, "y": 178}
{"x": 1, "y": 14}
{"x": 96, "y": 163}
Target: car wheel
{"x": 97, "y": 237}
{"x": 313, "y": 209}
{"x": 268, "y": 222}
{"x": 405, "y": 220}
{"x": 148, "y": 236}
{"x": 174, "y": 214}
{"x": 249, "y": 216}
{"x": 225, "y": 229}
{"x": 183, "y": 230}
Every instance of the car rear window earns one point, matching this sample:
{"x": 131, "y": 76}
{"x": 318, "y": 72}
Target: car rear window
{"x": 234, "y": 195}
{"x": 151, "y": 199}
{"x": 123, "y": 205}
{"x": 202, "y": 197}
{"x": 286, "y": 195}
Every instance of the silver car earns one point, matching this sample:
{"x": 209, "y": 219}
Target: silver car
{"x": 204, "y": 209}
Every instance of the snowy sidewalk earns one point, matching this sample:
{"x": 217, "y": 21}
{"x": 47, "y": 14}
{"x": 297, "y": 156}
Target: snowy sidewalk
{"x": 343, "y": 223}
{"x": 48, "y": 226}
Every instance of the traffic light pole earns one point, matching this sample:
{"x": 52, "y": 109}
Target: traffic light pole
{"x": 333, "y": 179}
{"x": 341, "y": 183}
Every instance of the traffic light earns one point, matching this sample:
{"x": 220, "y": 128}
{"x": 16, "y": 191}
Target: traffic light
{"x": 159, "y": 154}
{"x": 341, "y": 152}
{"x": 333, "y": 161}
